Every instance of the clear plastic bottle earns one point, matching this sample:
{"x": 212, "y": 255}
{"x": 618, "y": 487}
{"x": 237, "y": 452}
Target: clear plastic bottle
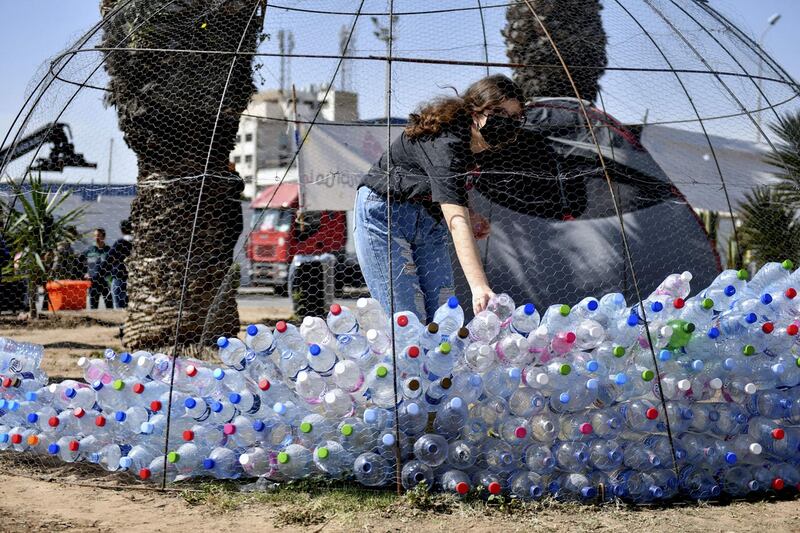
{"x": 449, "y": 317}
{"x": 431, "y": 449}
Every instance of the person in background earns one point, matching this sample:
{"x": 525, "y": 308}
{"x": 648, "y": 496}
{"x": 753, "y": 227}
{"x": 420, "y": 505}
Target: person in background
{"x": 96, "y": 272}
{"x": 64, "y": 262}
{"x": 115, "y": 265}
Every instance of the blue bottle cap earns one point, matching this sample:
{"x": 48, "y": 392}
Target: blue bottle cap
{"x": 125, "y": 463}
{"x": 592, "y": 305}
{"x": 592, "y": 384}
{"x": 456, "y": 403}
{"x": 686, "y": 413}
{"x": 664, "y": 355}
{"x": 633, "y": 320}
{"x": 387, "y": 439}
{"x": 222, "y": 342}
{"x": 529, "y": 309}
{"x": 412, "y": 409}
{"x": 190, "y": 403}
{"x": 12, "y": 405}
{"x": 730, "y": 458}
{"x": 29, "y": 396}
{"x": 314, "y": 349}
{"x": 620, "y": 379}
{"x": 553, "y": 487}
{"x": 697, "y": 365}
{"x": 53, "y": 449}
{"x": 3, "y": 403}
{"x": 218, "y": 374}
{"x": 209, "y": 463}
{"x": 125, "y": 358}
{"x": 259, "y": 426}
{"x": 252, "y": 330}
{"x": 750, "y": 318}
{"x": 563, "y": 397}
{"x": 94, "y": 457}
{"x": 514, "y": 373}
{"x": 713, "y": 333}
{"x": 475, "y": 380}
{"x": 235, "y": 398}
{"x": 588, "y": 492}
{"x": 120, "y": 416}
{"x": 32, "y": 418}
{"x": 452, "y": 302}
{"x": 97, "y": 385}
{"x": 216, "y": 407}
{"x": 729, "y": 363}
{"x": 730, "y": 290}
{"x": 279, "y": 408}
{"x": 370, "y": 415}
{"x": 70, "y": 392}
{"x": 656, "y": 307}
{"x": 592, "y": 366}
{"x": 766, "y": 298}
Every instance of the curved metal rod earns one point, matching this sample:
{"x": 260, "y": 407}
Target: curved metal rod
{"x": 389, "y": 13}
{"x": 618, "y": 212}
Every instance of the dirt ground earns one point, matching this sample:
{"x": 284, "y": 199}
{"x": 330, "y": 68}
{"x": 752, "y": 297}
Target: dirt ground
{"x": 56, "y": 498}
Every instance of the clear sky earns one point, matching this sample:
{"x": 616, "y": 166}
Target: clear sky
{"x": 31, "y": 31}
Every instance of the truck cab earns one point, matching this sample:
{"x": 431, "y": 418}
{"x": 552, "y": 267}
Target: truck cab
{"x": 281, "y": 231}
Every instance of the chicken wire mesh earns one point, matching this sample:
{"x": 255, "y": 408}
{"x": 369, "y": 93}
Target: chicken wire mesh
{"x": 316, "y": 148}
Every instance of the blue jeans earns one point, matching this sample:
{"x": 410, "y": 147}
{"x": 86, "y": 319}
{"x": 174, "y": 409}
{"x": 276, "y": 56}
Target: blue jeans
{"x": 423, "y": 275}
{"x": 119, "y": 290}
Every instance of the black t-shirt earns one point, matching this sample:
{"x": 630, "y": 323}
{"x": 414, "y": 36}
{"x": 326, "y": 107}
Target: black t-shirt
{"x": 430, "y": 169}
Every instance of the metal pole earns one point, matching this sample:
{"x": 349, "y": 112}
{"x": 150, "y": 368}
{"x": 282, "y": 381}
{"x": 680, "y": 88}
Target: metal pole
{"x": 110, "y": 154}
{"x": 770, "y": 23}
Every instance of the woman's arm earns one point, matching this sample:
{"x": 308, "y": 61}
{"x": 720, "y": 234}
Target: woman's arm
{"x": 458, "y": 222}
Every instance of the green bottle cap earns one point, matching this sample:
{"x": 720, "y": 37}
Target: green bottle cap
{"x": 445, "y": 348}
{"x": 708, "y": 303}
{"x": 742, "y": 275}
{"x": 118, "y": 384}
{"x": 618, "y": 351}
{"x": 787, "y": 264}
{"x": 689, "y": 327}
{"x": 749, "y": 349}
{"x": 283, "y": 458}
{"x": 381, "y": 371}
{"x": 322, "y": 453}
{"x": 564, "y": 369}
{"x": 306, "y": 427}
{"x": 173, "y": 457}
{"x": 648, "y": 375}
{"x": 564, "y": 310}
{"x": 797, "y": 361}
{"x": 347, "y": 430}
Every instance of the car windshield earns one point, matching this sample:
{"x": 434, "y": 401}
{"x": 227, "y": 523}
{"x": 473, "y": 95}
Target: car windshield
{"x": 272, "y": 219}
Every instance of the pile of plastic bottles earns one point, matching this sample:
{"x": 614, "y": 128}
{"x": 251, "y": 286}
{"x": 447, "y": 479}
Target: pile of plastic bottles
{"x": 699, "y": 399}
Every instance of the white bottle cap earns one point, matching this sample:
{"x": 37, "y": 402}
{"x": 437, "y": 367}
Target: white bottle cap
{"x": 684, "y": 385}
{"x": 715, "y": 384}
{"x": 755, "y": 448}
{"x": 750, "y": 388}
{"x": 542, "y": 379}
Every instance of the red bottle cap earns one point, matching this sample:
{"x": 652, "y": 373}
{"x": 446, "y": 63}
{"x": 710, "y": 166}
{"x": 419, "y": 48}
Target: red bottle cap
{"x": 155, "y": 406}
{"x": 585, "y": 428}
{"x": 100, "y": 421}
{"x": 778, "y": 433}
{"x": 138, "y": 388}
{"x": 494, "y": 487}
{"x": 188, "y": 435}
{"x": 790, "y": 293}
{"x": 402, "y": 321}
{"x": 144, "y": 474}
{"x": 778, "y": 484}
{"x": 53, "y": 421}
{"x": 792, "y": 329}
{"x": 520, "y": 432}
{"x": 78, "y": 412}
{"x": 264, "y": 384}
{"x": 768, "y": 327}
{"x": 570, "y": 338}
{"x": 6, "y": 382}
{"x": 413, "y": 352}
{"x": 280, "y": 327}
{"x": 74, "y": 445}
{"x": 462, "y": 488}
{"x": 16, "y": 438}
{"x": 651, "y": 413}
{"x": 191, "y": 371}
{"x": 229, "y": 429}
{"x": 679, "y": 303}
{"x": 336, "y": 309}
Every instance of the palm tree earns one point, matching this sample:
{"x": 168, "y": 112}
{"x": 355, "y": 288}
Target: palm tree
{"x": 170, "y": 101}
{"x": 577, "y": 30}
{"x": 787, "y": 157}
{"x": 35, "y": 231}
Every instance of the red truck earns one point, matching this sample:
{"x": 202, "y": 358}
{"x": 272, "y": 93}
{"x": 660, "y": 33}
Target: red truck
{"x": 281, "y": 231}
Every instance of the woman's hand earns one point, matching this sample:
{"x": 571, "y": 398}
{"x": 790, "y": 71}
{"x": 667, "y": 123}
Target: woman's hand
{"x": 480, "y": 225}
{"x": 480, "y": 298}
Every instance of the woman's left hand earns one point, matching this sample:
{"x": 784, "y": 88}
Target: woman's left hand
{"x": 480, "y": 225}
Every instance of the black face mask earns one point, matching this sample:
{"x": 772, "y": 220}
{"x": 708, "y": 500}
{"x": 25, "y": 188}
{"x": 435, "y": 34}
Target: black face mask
{"x": 500, "y": 130}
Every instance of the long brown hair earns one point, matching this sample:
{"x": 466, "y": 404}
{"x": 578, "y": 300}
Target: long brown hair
{"x": 455, "y": 111}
